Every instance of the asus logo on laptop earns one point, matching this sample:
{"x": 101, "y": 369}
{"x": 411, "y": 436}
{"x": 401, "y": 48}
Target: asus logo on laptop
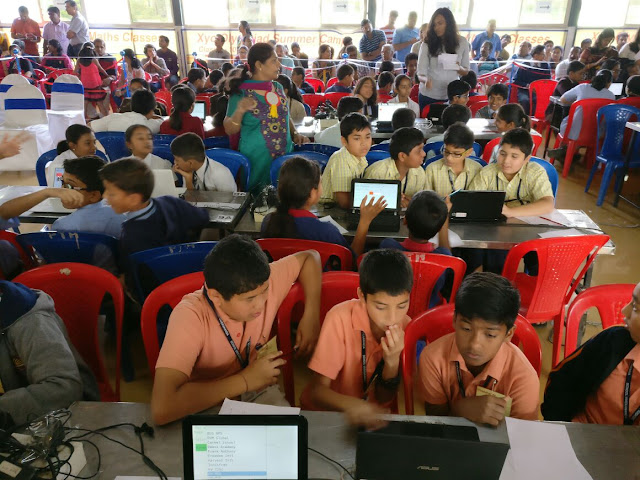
{"x": 428, "y": 468}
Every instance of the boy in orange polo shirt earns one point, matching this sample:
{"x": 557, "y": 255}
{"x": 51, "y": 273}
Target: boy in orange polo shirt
{"x": 600, "y": 382}
{"x": 478, "y": 354}
{"x": 357, "y": 358}
{"x": 210, "y": 351}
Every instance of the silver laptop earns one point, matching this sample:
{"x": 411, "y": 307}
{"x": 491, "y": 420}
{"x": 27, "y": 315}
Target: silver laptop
{"x": 386, "y": 110}
{"x": 616, "y": 89}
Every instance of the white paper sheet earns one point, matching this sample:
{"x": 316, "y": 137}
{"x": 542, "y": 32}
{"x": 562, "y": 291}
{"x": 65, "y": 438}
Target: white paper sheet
{"x": 233, "y": 407}
{"x": 554, "y": 218}
{"x": 569, "y": 232}
{"x": 328, "y": 219}
{"x": 454, "y": 240}
{"x": 218, "y": 205}
{"x": 541, "y": 450}
{"x": 449, "y": 61}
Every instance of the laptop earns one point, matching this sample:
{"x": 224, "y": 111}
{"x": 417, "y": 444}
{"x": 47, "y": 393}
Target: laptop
{"x": 423, "y": 451}
{"x": 389, "y": 219}
{"x": 435, "y": 112}
{"x": 385, "y": 114}
{"x": 616, "y": 89}
{"x": 242, "y": 447}
{"x": 477, "y": 206}
{"x": 164, "y": 183}
{"x": 200, "y": 110}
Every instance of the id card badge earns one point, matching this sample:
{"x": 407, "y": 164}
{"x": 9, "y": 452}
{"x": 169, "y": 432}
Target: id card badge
{"x": 57, "y": 177}
{"x": 270, "y": 347}
{"x": 482, "y": 392}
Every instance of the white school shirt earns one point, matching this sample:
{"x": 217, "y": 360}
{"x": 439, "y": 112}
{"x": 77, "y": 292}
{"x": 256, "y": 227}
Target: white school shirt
{"x": 330, "y": 136}
{"x": 119, "y": 122}
{"x": 57, "y": 162}
{"x": 410, "y": 104}
{"x": 213, "y": 176}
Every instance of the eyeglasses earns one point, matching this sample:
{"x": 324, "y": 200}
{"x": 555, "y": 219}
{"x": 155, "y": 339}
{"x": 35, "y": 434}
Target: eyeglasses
{"x": 464, "y": 95}
{"x": 456, "y": 156}
{"x": 71, "y": 187}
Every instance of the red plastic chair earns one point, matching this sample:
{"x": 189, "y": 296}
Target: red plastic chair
{"x": 384, "y": 98}
{"x": 165, "y": 96}
{"x": 475, "y": 106}
{"x": 277, "y": 248}
{"x": 332, "y": 81}
{"x": 488, "y": 148}
{"x": 316, "y": 83}
{"x": 437, "y": 322}
{"x": 335, "y": 97}
{"x": 562, "y": 264}
{"x": 492, "y": 78}
{"x": 633, "y": 101}
{"x": 415, "y": 93}
{"x": 78, "y": 291}
{"x": 169, "y": 293}
{"x": 475, "y": 99}
{"x": 588, "y": 132}
{"x": 313, "y": 100}
{"x": 26, "y": 257}
{"x": 337, "y": 287}
{"x": 542, "y": 89}
{"x": 609, "y": 300}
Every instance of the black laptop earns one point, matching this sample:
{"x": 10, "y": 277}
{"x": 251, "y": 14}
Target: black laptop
{"x": 423, "y": 451}
{"x": 477, "y": 206}
{"x": 243, "y": 447}
{"x": 435, "y": 112}
{"x": 389, "y": 219}
{"x": 385, "y": 115}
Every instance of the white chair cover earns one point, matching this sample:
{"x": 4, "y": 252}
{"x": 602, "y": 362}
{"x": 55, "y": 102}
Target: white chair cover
{"x": 67, "y": 93}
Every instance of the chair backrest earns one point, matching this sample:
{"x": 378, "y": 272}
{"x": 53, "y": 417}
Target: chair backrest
{"x": 114, "y": 144}
{"x": 25, "y": 255}
{"x": 163, "y": 139}
{"x": 317, "y": 84}
{"x": 608, "y": 301}
{"x": 541, "y": 90}
{"x": 488, "y": 148}
{"x": 163, "y": 151}
{"x": 41, "y": 166}
{"x": 438, "y": 322}
{"x": 78, "y": 291}
{"x": 612, "y": 119}
{"x": 334, "y": 97}
{"x": 589, "y": 128}
{"x": 384, "y": 98}
{"x": 320, "y": 158}
{"x": 332, "y": 81}
{"x": 475, "y": 99}
{"x": 632, "y": 101}
{"x": 475, "y": 106}
{"x": 427, "y": 269}
{"x": 376, "y": 155}
{"x": 492, "y": 78}
{"x": 165, "y": 95}
{"x": 332, "y": 256}
{"x": 313, "y": 100}
{"x": 67, "y": 93}
{"x": 217, "y": 142}
{"x": 551, "y": 173}
{"x": 381, "y": 147}
{"x": 156, "y": 266}
{"x": 24, "y": 106}
{"x": 9, "y": 82}
{"x": 236, "y": 162}
{"x": 169, "y": 293}
{"x": 562, "y": 263}
{"x": 307, "y": 109}
{"x": 435, "y": 147}
{"x": 328, "y": 150}
{"x": 337, "y": 287}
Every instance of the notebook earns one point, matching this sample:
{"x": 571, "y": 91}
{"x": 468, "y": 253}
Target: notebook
{"x": 200, "y": 110}
{"x": 164, "y": 183}
{"x": 389, "y": 219}
{"x": 241, "y": 447}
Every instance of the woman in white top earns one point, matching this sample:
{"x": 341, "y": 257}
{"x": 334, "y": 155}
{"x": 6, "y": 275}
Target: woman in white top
{"x": 630, "y": 50}
{"x": 434, "y": 73}
{"x": 79, "y": 142}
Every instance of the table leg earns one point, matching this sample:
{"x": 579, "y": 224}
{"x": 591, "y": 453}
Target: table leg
{"x": 625, "y": 170}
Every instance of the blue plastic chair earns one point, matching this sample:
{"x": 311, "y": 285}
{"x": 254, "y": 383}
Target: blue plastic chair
{"x": 610, "y": 153}
{"x": 50, "y": 156}
{"x": 551, "y": 173}
{"x": 151, "y": 268}
{"x": 163, "y": 139}
{"x": 216, "y": 142}
{"x": 376, "y": 155}
{"x": 307, "y": 109}
{"x": 114, "y": 145}
{"x": 439, "y": 156}
{"x": 380, "y": 147}
{"x": 236, "y": 162}
{"x": 163, "y": 151}
{"x": 316, "y": 147}
{"x": 319, "y": 158}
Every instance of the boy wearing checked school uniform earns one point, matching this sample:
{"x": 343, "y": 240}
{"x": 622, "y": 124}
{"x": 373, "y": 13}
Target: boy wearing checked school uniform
{"x": 357, "y": 359}
{"x": 476, "y": 372}
{"x": 349, "y": 162}
{"x": 404, "y": 164}
{"x": 211, "y": 349}
{"x": 600, "y": 382}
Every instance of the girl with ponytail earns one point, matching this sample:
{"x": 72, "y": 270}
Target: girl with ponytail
{"x": 181, "y": 121}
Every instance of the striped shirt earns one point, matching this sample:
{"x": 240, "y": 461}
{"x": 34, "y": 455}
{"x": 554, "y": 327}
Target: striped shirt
{"x": 441, "y": 179}
{"x": 368, "y": 45}
{"x": 529, "y": 185}
{"x": 387, "y": 170}
{"x": 340, "y": 170}
{"x": 388, "y": 33}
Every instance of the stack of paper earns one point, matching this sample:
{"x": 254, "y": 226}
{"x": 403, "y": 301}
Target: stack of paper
{"x": 233, "y": 407}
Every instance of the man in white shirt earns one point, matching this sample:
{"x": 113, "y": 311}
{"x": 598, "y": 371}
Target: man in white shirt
{"x": 331, "y": 136}
{"x": 78, "y": 32}
{"x": 563, "y": 67}
{"x": 55, "y": 30}
{"x": 143, "y": 104}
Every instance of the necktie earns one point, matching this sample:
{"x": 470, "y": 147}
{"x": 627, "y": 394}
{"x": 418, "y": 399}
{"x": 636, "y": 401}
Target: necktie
{"x": 195, "y": 181}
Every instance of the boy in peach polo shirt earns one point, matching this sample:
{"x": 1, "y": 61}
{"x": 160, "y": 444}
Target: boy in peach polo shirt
{"x": 210, "y": 351}
{"x": 600, "y": 381}
{"x": 479, "y": 353}
{"x": 357, "y": 358}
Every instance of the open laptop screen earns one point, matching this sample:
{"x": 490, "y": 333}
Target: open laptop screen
{"x": 616, "y": 89}
{"x": 199, "y": 110}
{"x": 374, "y": 189}
{"x": 386, "y": 110}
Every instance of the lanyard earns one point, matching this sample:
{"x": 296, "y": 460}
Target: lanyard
{"x": 406, "y": 180}
{"x": 461, "y": 385}
{"x": 629, "y": 420}
{"x": 243, "y": 361}
{"x": 466, "y": 179}
{"x": 517, "y": 192}
{"x": 376, "y": 373}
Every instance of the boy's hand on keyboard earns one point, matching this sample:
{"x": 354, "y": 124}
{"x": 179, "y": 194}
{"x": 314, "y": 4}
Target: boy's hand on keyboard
{"x": 370, "y": 210}
{"x": 263, "y": 372}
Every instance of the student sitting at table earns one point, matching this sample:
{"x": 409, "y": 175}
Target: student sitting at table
{"x": 40, "y": 369}
{"x": 181, "y": 121}
{"x": 452, "y": 114}
{"x": 299, "y": 189}
{"x": 401, "y": 118}
{"x": 600, "y": 381}
{"x": 479, "y": 357}
{"x": 575, "y": 73}
{"x": 331, "y": 136}
{"x": 458, "y": 92}
{"x": 411, "y": 66}
{"x": 139, "y": 140}
{"x": 367, "y": 92}
{"x": 404, "y": 164}
{"x": 508, "y": 117}
{"x": 143, "y": 104}
{"x": 79, "y": 142}
{"x": 454, "y": 171}
{"x": 385, "y": 83}
{"x": 498, "y": 94}
{"x": 199, "y": 171}
{"x": 345, "y": 80}
{"x": 472, "y": 80}
{"x": 357, "y": 359}
{"x": 297, "y": 77}
{"x": 196, "y": 79}
{"x": 349, "y": 162}
{"x": 211, "y": 349}
{"x": 82, "y": 189}
{"x": 402, "y": 89}
{"x": 150, "y": 223}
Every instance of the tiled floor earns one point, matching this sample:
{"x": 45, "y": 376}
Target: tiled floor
{"x": 624, "y": 267}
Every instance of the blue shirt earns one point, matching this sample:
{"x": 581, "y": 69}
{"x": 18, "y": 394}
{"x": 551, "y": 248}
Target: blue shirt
{"x": 336, "y": 88}
{"x": 368, "y": 45}
{"x": 402, "y": 35}
{"x": 476, "y": 45}
{"x": 94, "y": 218}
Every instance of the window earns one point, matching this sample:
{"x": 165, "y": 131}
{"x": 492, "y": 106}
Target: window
{"x": 288, "y": 13}
{"x": 633, "y": 14}
{"x": 9, "y": 10}
{"x": 592, "y": 14}
{"x": 506, "y": 15}
{"x": 459, "y": 8}
{"x": 113, "y": 12}
{"x": 342, "y": 12}
{"x": 151, "y": 11}
{"x": 197, "y": 12}
{"x": 543, "y": 12}
{"x": 403, "y": 9}
{"x": 253, "y": 11}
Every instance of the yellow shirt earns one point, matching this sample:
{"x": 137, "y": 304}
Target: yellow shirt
{"x": 441, "y": 179}
{"x": 340, "y": 170}
{"x": 529, "y": 185}
{"x": 387, "y": 170}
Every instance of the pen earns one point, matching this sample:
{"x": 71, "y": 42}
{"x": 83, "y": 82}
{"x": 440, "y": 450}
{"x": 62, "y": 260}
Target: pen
{"x": 454, "y": 192}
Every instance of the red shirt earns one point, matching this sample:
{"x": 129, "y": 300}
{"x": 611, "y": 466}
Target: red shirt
{"x": 189, "y": 124}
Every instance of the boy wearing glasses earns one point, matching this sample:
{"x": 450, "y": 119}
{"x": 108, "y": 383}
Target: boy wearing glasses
{"x": 81, "y": 189}
{"x": 458, "y": 92}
